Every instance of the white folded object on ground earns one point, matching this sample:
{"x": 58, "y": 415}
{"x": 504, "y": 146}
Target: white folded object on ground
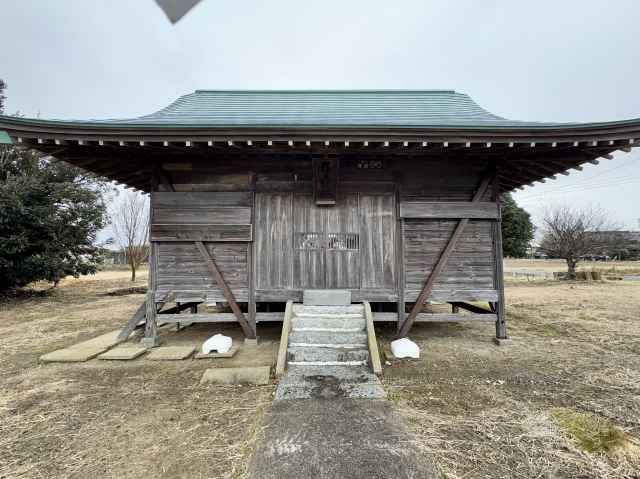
{"x": 405, "y": 348}
{"x": 218, "y": 343}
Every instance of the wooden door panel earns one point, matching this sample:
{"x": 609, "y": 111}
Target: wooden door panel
{"x": 308, "y": 253}
{"x": 343, "y": 244}
{"x": 377, "y": 241}
{"x": 273, "y": 249}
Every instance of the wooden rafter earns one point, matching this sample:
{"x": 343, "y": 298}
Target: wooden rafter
{"x": 228, "y": 294}
{"x": 442, "y": 262}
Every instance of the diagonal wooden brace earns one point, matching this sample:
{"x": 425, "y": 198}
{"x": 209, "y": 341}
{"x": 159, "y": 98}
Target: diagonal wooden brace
{"x": 442, "y": 262}
{"x": 213, "y": 268}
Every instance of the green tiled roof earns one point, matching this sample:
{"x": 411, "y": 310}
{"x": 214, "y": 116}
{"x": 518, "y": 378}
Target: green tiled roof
{"x": 324, "y": 108}
{"x": 306, "y": 109}
{"x": 5, "y": 139}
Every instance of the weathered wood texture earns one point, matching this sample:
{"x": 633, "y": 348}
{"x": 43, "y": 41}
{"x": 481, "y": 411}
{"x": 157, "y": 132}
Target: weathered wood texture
{"x": 450, "y": 210}
{"x": 470, "y": 265}
{"x": 439, "y": 317}
{"x": 201, "y": 232}
{"x": 442, "y": 261}
{"x": 377, "y": 239}
{"x": 213, "y": 203}
{"x": 372, "y": 342}
{"x": 228, "y": 294}
{"x": 274, "y": 240}
{"x": 301, "y": 246}
{"x": 501, "y": 319}
{"x": 216, "y": 318}
{"x": 181, "y": 269}
{"x": 137, "y": 317}
{"x": 281, "y": 362}
{"x": 212, "y": 216}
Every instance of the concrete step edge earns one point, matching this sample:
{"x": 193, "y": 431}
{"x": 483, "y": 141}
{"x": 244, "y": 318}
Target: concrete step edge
{"x": 327, "y": 330}
{"x": 328, "y": 345}
{"x": 327, "y": 363}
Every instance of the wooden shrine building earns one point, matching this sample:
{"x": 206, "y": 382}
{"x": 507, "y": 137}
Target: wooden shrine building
{"x": 257, "y": 196}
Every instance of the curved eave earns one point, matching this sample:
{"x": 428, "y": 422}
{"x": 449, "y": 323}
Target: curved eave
{"x": 124, "y": 152}
{"x": 498, "y": 127}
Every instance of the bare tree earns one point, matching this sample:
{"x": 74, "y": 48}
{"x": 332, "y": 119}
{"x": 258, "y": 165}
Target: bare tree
{"x": 130, "y": 220}
{"x": 568, "y": 233}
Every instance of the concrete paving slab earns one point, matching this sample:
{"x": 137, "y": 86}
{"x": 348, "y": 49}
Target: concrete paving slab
{"x": 84, "y": 350}
{"x": 170, "y": 353}
{"x": 337, "y": 438}
{"x": 255, "y": 375}
{"x": 229, "y": 354}
{"x": 72, "y": 355}
{"x": 123, "y": 353}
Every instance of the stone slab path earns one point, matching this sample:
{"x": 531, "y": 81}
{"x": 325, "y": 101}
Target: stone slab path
{"x": 83, "y": 351}
{"x": 337, "y": 438}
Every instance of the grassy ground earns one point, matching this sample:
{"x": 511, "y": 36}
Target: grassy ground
{"x": 562, "y": 401}
{"x": 552, "y": 265}
{"x": 105, "y": 419}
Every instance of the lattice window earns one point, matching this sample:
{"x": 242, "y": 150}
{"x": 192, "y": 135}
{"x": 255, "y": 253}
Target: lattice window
{"x": 308, "y": 240}
{"x": 343, "y": 241}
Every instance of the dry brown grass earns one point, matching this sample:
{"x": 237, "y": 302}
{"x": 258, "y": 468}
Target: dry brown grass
{"x": 482, "y": 411}
{"x": 105, "y": 419}
{"x": 490, "y": 412}
{"x": 551, "y": 265}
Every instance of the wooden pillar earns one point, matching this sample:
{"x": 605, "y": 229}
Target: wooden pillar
{"x": 251, "y": 303}
{"x": 400, "y": 258}
{"x": 151, "y": 338}
{"x": 498, "y": 279}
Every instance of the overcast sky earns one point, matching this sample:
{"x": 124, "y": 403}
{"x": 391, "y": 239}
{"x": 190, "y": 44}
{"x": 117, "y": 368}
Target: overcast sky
{"x": 542, "y": 61}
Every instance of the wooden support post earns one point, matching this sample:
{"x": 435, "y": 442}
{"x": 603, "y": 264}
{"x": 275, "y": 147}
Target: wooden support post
{"x": 441, "y": 263}
{"x": 251, "y": 303}
{"x": 213, "y": 268}
{"x": 400, "y": 259}
{"x": 151, "y": 338}
{"x": 498, "y": 279}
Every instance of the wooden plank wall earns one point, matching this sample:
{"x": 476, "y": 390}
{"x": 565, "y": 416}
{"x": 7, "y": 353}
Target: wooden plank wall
{"x": 469, "y": 273}
{"x": 223, "y": 221}
{"x": 213, "y": 203}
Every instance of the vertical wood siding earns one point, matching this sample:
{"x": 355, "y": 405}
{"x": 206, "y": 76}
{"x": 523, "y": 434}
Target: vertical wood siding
{"x": 377, "y": 249}
{"x": 273, "y": 240}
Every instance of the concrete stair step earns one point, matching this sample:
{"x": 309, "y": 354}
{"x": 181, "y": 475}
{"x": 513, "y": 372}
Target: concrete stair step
{"x": 352, "y": 309}
{"x": 315, "y": 354}
{"x": 312, "y": 381}
{"x": 328, "y": 326}
{"x": 307, "y": 322}
{"x": 327, "y": 338}
{"x": 329, "y": 363}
